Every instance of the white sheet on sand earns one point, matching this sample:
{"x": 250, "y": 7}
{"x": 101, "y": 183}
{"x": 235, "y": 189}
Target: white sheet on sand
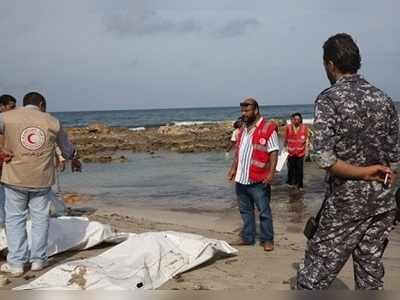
{"x": 73, "y": 233}
{"x": 143, "y": 261}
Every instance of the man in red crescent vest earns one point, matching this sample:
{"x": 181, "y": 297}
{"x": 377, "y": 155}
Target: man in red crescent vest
{"x": 297, "y": 143}
{"x": 7, "y": 102}
{"x": 30, "y": 138}
{"x": 252, "y": 170}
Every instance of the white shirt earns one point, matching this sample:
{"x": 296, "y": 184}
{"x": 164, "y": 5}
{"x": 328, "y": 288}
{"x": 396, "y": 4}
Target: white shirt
{"x": 235, "y": 135}
{"x": 246, "y": 150}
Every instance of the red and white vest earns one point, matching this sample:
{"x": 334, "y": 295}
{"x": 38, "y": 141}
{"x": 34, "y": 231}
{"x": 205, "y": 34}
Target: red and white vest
{"x": 296, "y": 140}
{"x": 260, "y": 157}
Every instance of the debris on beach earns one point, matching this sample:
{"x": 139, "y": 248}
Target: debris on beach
{"x": 144, "y": 261}
{"x": 78, "y": 276}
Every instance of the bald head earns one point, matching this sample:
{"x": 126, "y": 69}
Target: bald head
{"x": 250, "y": 102}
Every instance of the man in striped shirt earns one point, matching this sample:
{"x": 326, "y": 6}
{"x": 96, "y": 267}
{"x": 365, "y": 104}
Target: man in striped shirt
{"x": 252, "y": 170}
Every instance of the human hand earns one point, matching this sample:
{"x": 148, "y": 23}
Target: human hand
{"x": 76, "y": 165}
{"x": 231, "y": 174}
{"x": 61, "y": 166}
{"x": 378, "y": 173}
{"x": 6, "y": 155}
{"x": 269, "y": 177}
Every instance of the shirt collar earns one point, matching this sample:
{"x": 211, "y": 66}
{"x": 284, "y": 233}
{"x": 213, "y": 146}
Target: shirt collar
{"x": 257, "y": 124}
{"x": 259, "y": 121}
{"x": 349, "y": 77}
{"x": 30, "y": 106}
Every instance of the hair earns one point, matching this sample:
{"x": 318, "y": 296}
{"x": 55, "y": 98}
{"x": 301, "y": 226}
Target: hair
{"x": 237, "y": 124}
{"x": 250, "y": 102}
{"x": 34, "y": 98}
{"x": 297, "y": 114}
{"x": 6, "y": 99}
{"x": 343, "y": 52}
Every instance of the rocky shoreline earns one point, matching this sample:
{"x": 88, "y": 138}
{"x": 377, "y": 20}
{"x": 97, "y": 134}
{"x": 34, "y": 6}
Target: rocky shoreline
{"x": 100, "y": 143}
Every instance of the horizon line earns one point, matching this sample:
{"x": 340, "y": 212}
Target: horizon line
{"x": 171, "y": 108}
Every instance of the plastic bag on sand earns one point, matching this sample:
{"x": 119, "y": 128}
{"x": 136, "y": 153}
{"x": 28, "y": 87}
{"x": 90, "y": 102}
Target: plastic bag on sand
{"x": 283, "y": 155}
{"x": 143, "y": 261}
{"x": 73, "y": 233}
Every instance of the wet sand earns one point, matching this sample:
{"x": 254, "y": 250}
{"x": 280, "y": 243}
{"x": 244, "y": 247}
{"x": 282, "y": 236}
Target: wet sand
{"x": 252, "y": 269}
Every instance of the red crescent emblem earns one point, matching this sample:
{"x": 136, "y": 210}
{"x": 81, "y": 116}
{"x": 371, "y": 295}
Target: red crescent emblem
{"x": 33, "y": 138}
{"x": 29, "y": 138}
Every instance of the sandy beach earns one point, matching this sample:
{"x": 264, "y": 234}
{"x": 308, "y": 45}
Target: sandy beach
{"x": 252, "y": 268}
{"x": 144, "y": 100}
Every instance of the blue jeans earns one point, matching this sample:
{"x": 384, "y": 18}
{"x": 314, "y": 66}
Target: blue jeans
{"x": 20, "y": 202}
{"x": 259, "y": 195}
{"x": 57, "y": 206}
{"x": 2, "y": 203}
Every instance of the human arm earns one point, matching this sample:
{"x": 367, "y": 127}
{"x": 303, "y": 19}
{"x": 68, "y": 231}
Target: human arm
{"x": 369, "y": 173}
{"x": 232, "y": 171}
{"x": 273, "y": 159}
{"x": 392, "y": 144}
{"x": 307, "y": 143}
{"x": 68, "y": 151}
{"x": 232, "y": 140}
{"x": 272, "y": 148}
{"x": 60, "y": 160}
{"x": 325, "y": 139}
{"x": 230, "y": 146}
{"x": 6, "y": 155}
{"x": 285, "y": 143}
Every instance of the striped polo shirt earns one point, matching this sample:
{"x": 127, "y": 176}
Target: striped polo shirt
{"x": 246, "y": 150}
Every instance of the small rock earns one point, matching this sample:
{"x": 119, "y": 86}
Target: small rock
{"x": 231, "y": 261}
{"x": 200, "y": 287}
{"x": 105, "y": 158}
{"x": 123, "y": 158}
{"x": 98, "y": 127}
{"x": 29, "y": 277}
{"x": 179, "y": 278}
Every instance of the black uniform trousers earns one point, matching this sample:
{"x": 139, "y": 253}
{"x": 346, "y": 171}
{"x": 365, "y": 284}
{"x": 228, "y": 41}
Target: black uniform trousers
{"x": 295, "y": 171}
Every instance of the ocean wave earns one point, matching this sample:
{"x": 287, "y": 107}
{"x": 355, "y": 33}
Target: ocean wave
{"x": 190, "y": 123}
{"x": 137, "y": 129}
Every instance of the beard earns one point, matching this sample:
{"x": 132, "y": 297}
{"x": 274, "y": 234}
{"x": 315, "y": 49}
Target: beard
{"x": 248, "y": 120}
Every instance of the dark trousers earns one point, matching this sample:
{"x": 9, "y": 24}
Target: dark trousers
{"x": 334, "y": 242}
{"x": 295, "y": 171}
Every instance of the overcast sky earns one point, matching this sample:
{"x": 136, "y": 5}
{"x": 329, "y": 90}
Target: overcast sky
{"x": 104, "y": 54}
